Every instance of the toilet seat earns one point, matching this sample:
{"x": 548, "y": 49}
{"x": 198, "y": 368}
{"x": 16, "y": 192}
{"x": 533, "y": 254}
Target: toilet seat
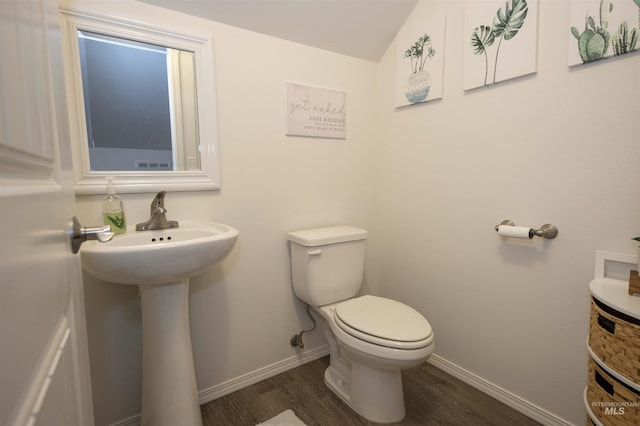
{"x": 383, "y": 322}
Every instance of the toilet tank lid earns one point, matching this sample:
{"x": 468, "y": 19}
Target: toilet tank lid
{"x": 328, "y": 235}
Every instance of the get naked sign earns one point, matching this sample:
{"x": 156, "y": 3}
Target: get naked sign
{"x": 313, "y": 111}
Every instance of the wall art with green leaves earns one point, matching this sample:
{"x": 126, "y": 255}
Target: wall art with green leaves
{"x": 420, "y": 57}
{"x": 601, "y": 29}
{"x": 501, "y": 41}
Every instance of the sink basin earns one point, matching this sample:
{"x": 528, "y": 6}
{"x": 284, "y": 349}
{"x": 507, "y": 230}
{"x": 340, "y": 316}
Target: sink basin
{"x": 161, "y": 256}
{"x": 161, "y": 262}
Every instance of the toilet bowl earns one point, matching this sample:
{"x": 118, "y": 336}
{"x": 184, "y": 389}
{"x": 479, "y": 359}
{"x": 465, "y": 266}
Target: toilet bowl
{"x": 367, "y": 357}
{"x": 371, "y": 339}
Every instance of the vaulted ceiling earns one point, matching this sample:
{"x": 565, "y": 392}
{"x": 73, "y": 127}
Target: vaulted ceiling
{"x": 358, "y": 28}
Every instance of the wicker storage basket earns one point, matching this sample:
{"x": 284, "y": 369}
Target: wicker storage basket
{"x": 615, "y": 339}
{"x": 613, "y": 402}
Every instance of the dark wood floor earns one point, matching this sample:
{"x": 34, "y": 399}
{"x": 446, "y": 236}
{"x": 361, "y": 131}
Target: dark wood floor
{"x": 432, "y": 397}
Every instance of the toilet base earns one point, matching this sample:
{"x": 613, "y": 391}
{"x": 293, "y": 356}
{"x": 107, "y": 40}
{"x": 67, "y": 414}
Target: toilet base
{"x": 376, "y": 395}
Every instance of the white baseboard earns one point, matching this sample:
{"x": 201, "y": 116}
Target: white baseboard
{"x": 514, "y": 401}
{"x": 261, "y": 374}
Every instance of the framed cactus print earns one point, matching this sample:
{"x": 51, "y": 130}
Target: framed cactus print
{"x": 600, "y": 29}
{"x": 420, "y": 59}
{"x": 500, "y": 41}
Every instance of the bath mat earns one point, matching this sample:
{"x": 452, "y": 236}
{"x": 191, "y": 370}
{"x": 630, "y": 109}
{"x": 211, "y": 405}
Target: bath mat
{"x": 286, "y": 418}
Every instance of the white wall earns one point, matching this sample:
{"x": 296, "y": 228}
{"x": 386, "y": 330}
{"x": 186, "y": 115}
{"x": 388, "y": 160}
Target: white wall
{"x": 430, "y": 182}
{"x": 244, "y": 311}
{"x": 560, "y": 147}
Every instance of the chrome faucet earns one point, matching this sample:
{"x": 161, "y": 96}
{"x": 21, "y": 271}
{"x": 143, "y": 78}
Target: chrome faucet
{"x": 158, "y": 219}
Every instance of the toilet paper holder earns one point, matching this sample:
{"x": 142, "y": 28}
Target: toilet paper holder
{"x": 546, "y": 231}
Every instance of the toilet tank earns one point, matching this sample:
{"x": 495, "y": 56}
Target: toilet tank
{"x": 327, "y": 264}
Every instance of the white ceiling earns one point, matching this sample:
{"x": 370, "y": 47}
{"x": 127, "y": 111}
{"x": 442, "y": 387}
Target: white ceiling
{"x": 359, "y": 28}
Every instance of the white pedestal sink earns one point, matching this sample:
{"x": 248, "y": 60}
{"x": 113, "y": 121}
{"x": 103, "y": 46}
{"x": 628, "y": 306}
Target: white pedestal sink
{"x": 160, "y": 263}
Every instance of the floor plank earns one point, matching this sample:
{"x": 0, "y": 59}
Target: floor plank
{"x": 432, "y": 397}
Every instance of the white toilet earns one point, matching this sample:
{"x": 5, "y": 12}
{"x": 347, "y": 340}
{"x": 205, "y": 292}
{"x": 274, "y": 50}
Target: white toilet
{"x": 371, "y": 339}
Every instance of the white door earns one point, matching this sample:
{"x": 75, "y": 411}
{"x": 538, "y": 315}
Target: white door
{"x": 44, "y": 375}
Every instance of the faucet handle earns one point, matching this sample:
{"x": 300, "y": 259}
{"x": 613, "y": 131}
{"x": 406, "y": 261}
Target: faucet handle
{"x": 158, "y": 200}
{"x": 158, "y": 203}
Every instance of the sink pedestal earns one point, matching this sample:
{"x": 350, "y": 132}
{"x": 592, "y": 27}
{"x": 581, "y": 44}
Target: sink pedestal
{"x": 169, "y": 390}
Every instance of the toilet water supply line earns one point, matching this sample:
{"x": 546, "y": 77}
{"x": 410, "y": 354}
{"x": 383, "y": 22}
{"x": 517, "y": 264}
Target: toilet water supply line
{"x": 296, "y": 339}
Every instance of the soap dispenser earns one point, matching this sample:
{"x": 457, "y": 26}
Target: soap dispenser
{"x": 113, "y": 210}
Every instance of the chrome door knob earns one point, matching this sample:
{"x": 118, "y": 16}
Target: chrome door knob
{"x": 80, "y": 234}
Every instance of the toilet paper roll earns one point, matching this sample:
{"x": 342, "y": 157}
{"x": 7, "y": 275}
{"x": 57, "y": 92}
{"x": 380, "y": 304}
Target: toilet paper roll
{"x": 515, "y": 232}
